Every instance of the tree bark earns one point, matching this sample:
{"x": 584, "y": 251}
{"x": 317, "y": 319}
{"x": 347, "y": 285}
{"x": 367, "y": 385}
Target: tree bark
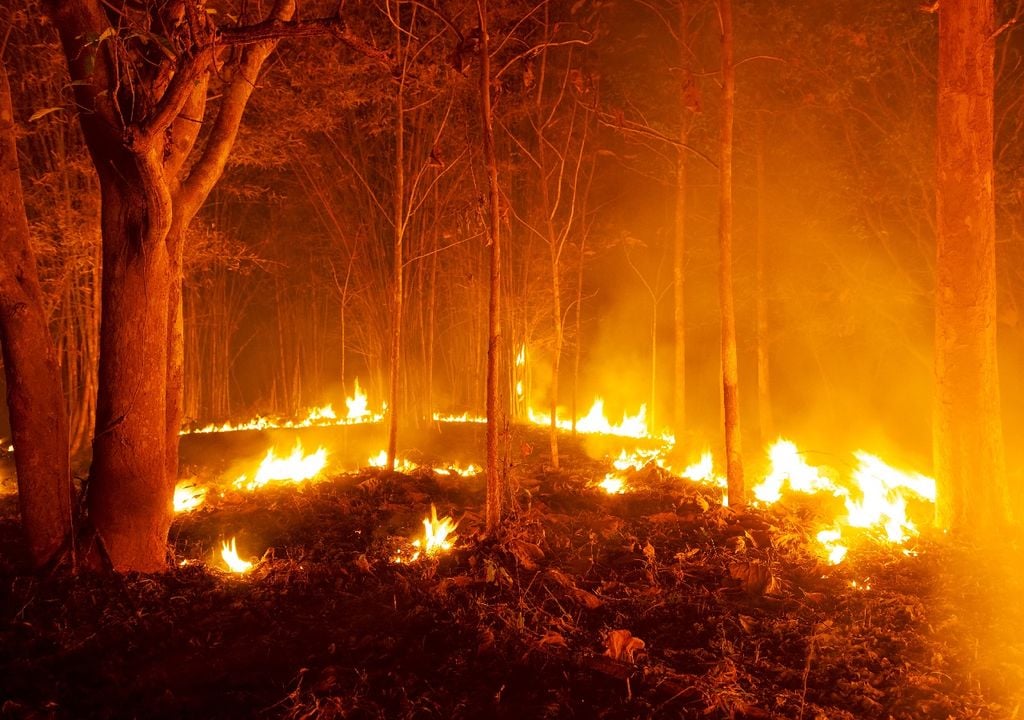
{"x": 679, "y": 244}
{"x": 130, "y": 492}
{"x": 766, "y": 423}
{"x": 968, "y": 437}
{"x": 496, "y": 481}
{"x": 730, "y": 363}
{"x": 35, "y": 397}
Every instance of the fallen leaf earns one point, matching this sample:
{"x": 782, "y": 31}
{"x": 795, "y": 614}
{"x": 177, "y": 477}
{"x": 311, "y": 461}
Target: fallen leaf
{"x": 585, "y": 598}
{"x": 621, "y": 645}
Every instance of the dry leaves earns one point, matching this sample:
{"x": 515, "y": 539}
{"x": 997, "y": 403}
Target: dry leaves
{"x": 622, "y": 645}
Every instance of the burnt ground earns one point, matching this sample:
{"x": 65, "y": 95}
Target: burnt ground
{"x": 737, "y": 613}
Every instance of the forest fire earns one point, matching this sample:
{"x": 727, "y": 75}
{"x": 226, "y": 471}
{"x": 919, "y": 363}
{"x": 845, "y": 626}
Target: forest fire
{"x": 294, "y": 468}
{"x": 235, "y": 564}
{"x": 626, "y": 289}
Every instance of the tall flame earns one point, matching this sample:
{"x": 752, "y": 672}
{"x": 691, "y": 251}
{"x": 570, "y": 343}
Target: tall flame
{"x": 229, "y": 553}
{"x": 358, "y": 406}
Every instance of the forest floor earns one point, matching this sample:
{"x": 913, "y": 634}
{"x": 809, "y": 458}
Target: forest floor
{"x": 736, "y": 613}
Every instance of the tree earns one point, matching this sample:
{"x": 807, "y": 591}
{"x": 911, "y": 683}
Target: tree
{"x": 496, "y": 482}
{"x": 968, "y": 437}
{"x": 35, "y": 397}
{"x": 730, "y": 364}
{"x": 141, "y": 76}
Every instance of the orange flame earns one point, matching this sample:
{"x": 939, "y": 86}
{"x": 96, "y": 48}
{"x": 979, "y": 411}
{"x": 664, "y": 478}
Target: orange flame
{"x": 296, "y": 467}
{"x": 188, "y": 495}
{"x": 229, "y": 553}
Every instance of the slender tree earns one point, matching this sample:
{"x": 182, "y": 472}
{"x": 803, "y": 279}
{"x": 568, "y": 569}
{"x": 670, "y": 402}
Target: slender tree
{"x": 35, "y": 398}
{"x": 496, "y": 481}
{"x": 730, "y": 363}
{"x": 968, "y": 437}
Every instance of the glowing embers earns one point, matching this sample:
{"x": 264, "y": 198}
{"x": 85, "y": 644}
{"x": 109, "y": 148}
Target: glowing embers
{"x": 297, "y": 467}
{"x": 438, "y": 537}
{"x": 188, "y": 495}
{"x": 235, "y": 564}
{"x": 595, "y": 422}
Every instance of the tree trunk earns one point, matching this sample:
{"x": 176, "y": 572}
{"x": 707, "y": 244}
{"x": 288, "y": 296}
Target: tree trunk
{"x": 730, "y": 363}
{"x": 130, "y": 492}
{"x": 679, "y": 245}
{"x": 764, "y": 397}
{"x": 968, "y": 439}
{"x": 35, "y": 398}
{"x": 496, "y": 481}
{"x": 397, "y": 278}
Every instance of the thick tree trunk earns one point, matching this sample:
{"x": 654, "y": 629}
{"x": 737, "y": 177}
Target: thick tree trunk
{"x": 130, "y": 492}
{"x": 968, "y": 439}
{"x": 730, "y": 363}
{"x": 35, "y": 399}
{"x": 496, "y": 481}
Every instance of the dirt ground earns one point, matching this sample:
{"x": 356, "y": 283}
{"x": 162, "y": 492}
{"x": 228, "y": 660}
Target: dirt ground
{"x": 655, "y": 603}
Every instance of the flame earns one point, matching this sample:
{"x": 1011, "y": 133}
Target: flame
{"x": 456, "y": 469}
{"x": 463, "y": 418}
{"x": 437, "y": 538}
{"x": 296, "y": 467}
{"x": 829, "y": 539}
{"x": 595, "y": 422}
{"x": 884, "y": 494}
{"x": 703, "y": 471}
{"x": 875, "y": 498}
{"x": 521, "y": 356}
{"x": 323, "y": 416}
{"x": 229, "y": 552}
{"x": 613, "y": 484}
{"x": 188, "y": 495}
{"x": 402, "y": 465}
{"x": 357, "y": 405}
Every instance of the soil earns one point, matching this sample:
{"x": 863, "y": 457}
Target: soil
{"x": 659, "y": 602}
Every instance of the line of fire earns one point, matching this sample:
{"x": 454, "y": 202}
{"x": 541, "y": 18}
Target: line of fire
{"x": 512, "y": 359}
